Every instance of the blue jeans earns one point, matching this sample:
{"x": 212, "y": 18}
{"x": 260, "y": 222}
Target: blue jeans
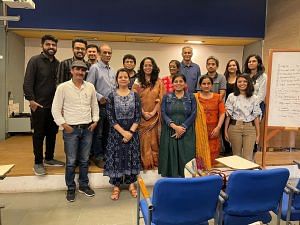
{"x": 77, "y": 148}
{"x": 100, "y": 134}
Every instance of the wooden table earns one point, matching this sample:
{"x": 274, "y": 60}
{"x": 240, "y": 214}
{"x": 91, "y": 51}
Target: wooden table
{"x": 4, "y": 169}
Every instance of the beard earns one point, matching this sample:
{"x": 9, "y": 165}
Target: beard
{"x": 49, "y": 52}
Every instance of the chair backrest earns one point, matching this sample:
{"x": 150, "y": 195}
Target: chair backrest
{"x": 185, "y": 200}
{"x": 251, "y": 192}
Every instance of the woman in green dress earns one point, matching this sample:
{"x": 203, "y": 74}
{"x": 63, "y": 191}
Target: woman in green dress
{"x": 177, "y": 141}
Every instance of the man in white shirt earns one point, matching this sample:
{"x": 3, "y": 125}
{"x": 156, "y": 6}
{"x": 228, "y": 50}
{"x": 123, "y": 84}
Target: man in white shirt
{"x": 75, "y": 108}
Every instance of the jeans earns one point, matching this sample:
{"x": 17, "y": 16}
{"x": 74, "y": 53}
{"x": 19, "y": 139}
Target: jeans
{"x": 43, "y": 126}
{"x": 77, "y": 148}
{"x": 100, "y": 134}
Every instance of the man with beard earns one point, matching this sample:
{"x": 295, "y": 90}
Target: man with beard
{"x": 79, "y": 51}
{"x": 103, "y": 78}
{"x": 92, "y": 52}
{"x": 39, "y": 89}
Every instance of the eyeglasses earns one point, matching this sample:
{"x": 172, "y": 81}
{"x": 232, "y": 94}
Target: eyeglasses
{"x": 79, "y": 49}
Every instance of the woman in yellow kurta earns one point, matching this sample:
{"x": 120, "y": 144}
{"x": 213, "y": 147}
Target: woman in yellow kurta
{"x": 151, "y": 90}
{"x": 214, "y": 110}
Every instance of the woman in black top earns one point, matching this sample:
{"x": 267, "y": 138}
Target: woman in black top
{"x": 231, "y": 72}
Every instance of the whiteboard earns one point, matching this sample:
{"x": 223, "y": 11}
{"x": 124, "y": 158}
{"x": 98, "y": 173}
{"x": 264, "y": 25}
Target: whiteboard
{"x": 284, "y": 99}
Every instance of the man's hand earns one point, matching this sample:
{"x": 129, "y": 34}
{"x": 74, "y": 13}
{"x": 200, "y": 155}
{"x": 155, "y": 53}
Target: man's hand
{"x": 102, "y": 100}
{"x": 34, "y": 105}
{"x": 67, "y": 128}
{"x": 92, "y": 126}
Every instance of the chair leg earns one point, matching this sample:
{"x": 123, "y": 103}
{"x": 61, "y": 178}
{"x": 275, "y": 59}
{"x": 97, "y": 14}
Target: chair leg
{"x": 138, "y": 205}
{"x": 1, "y": 206}
{"x": 279, "y": 211}
{"x": 289, "y": 209}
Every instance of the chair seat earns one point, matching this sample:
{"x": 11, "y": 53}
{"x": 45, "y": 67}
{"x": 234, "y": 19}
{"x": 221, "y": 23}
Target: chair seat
{"x": 295, "y": 215}
{"x": 241, "y": 220}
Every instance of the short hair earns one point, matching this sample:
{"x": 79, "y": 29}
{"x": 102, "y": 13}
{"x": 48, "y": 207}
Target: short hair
{"x": 92, "y": 46}
{"x": 102, "y": 45}
{"x": 177, "y": 63}
{"x": 48, "y": 37}
{"x": 213, "y": 58}
{"x": 118, "y": 72}
{"x": 205, "y": 77}
{"x": 250, "y": 87}
{"x": 79, "y": 40}
{"x": 129, "y": 56}
{"x": 178, "y": 75}
{"x": 184, "y": 47}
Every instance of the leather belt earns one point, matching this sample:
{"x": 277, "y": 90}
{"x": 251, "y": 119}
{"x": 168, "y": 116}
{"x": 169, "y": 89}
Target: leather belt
{"x": 81, "y": 126}
{"x": 234, "y": 122}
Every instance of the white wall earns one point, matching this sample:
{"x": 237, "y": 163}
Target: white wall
{"x": 162, "y": 53}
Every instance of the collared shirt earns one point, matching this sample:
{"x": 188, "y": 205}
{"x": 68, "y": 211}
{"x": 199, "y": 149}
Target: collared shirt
{"x": 192, "y": 74}
{"x": 242, "y": 108}
{"x": 64, "y": 70}
{"x": 219, "y": 83}
{"x": 73, "y": 105}
{"x": 103, "y": 78}
{"x": 40, "y": 80}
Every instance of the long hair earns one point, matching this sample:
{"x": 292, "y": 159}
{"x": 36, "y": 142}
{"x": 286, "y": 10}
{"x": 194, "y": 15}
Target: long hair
{"x": 238, "y": 71}
{"x": 250, "y": 87}
{"x": 260, "y": 67}
{"x": 154, "y": 74}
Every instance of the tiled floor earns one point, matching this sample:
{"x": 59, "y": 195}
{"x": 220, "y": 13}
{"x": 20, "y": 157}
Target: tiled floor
{"x": 51, "y": 208}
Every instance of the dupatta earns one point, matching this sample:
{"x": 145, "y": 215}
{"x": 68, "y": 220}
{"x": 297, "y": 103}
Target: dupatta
{"x": 202, "y": 146}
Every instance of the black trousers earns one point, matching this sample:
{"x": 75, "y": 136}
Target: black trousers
{"x": 44, "y": 126}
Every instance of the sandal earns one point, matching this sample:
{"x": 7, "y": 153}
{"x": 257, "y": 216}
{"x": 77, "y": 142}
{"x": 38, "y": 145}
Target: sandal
{"x": 132, "y": 190}
{"x": 115, "y": 193}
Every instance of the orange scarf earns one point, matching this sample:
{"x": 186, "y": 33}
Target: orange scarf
{"x": 202, "y": 146}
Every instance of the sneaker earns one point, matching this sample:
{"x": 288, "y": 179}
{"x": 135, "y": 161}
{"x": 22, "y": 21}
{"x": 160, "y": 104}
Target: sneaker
{"x": 87, "y": 191}
{"x": 53, "y": 162}
{"x": 70, "y": 195}
{"x": 39, "y": 169}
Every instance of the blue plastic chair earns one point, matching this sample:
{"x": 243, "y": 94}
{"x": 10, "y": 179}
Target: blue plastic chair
{"x": 180, "y": 201}
{"x": 251, "y": 194}
{"x": 290, "y": 210}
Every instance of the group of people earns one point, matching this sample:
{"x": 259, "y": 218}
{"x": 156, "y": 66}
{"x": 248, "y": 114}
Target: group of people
{"x": 128, "y": 121}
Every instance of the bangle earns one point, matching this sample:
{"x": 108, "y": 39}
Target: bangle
{"x": 132, "y": 132}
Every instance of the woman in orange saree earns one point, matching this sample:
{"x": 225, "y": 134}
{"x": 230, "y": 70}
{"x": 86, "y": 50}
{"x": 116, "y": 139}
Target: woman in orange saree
{"x": 151, "y": 90}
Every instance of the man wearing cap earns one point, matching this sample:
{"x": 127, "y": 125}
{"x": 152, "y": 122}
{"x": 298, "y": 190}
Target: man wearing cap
{"x": 75, "y": 108}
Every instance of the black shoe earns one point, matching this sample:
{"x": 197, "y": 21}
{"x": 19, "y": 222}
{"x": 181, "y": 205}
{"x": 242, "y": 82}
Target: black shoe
{"x": 87, "y": 191}
{"x": 70, "y": 195}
